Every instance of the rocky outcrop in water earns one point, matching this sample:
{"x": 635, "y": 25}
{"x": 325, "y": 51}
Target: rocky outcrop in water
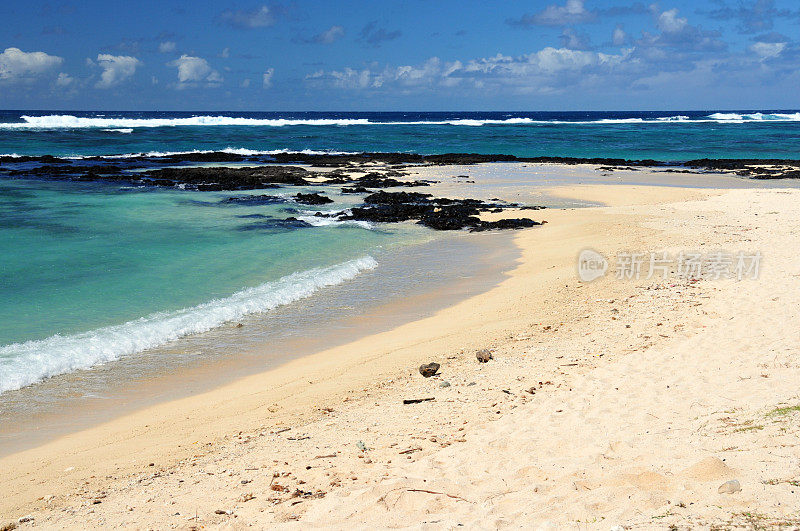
{"x": 435, "y": 213}
{"x": 312, "y": 199}
{"x": 223, "y": 178}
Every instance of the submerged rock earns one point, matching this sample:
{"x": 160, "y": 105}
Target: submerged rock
{"x": 312, "y": 199}
{"x": 249, "y": 200}
{"x": 277, "y": 225}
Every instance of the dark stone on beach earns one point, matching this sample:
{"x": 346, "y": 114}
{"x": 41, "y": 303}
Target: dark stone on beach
{"x": 429, "y": 369}
{"x": 505, "y": 224}
{"x": 312, "y": 199}
{"x": 484, "y": 355}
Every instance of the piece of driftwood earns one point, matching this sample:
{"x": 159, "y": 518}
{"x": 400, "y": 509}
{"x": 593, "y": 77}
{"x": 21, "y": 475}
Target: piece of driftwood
{"x": 417, "y": 400}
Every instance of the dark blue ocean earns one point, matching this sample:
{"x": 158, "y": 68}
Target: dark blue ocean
{"x": 661, "y": 135}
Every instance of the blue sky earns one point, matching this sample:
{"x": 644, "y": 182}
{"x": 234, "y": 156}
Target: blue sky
{"x": 393, "y": 55}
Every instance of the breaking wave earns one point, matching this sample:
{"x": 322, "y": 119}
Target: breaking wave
{"x": 23, "y": 364}
{"x": 126, "y": 125}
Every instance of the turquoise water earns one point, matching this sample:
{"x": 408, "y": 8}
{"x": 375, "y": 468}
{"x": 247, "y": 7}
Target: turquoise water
{"x": 94, "y": 271}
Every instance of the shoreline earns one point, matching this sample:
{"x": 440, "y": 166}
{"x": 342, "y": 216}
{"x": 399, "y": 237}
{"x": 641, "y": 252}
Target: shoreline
{"x": 158, "y": 423}
{"x": 541, "y": 289}
{"x": 118, "y": 396}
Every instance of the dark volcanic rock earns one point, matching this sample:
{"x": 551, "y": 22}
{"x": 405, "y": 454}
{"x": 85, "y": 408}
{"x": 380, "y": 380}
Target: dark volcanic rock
{"x": 276, "y": 225}
{"x": 49, "y": 170}
{"x": 249, "y": 200}
{"x": 230, "y": 178}
{"x": 355, "y": 190}
{"x": 429, "y": 369}
{"x": 376, "y": 180}
{"x": 435, "y": 213}
{"x": 312, "y": 199}
{"x": 502, "y": 224}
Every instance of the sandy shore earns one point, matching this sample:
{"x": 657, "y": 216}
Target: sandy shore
{"x": 618, "y": 402}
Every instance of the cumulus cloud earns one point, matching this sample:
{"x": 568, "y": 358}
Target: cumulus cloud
{"x": 572, "y": 12}
{"x": 116, "y": 69}
{"x": 619, "y": 37}
{"x": 678, "y": 36}
{"x": 267, "y": 77}
{"x": 544, "y": 71}
{"x": 374, "y": 36}
{"x": 768, "y": 50}
{"x": 167, "y": 47}
{"x": 328, "y": 36}
{"x": 260, "y": 17}
{"x": 16, "y": 65}
{"x": 670, "y": 22}
{"x": 64, "y": 80}
{"x": 195, "y": 71}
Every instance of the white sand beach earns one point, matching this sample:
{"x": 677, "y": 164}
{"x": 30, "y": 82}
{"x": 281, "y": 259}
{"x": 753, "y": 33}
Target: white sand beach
{"x": 641, "y": 403}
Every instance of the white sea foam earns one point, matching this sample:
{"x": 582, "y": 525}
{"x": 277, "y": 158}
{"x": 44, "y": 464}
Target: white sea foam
{"x": 66, "y": 121}
{"x": 755, "y": 117}
{"x": 326, "y": 222}
{"x": 233, "y": 150}
{"x": 123, "y": 131}
{"x": 23, "y": 364}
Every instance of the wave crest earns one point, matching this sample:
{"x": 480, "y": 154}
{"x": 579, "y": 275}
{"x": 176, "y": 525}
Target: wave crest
{"x": 23, "y": 364}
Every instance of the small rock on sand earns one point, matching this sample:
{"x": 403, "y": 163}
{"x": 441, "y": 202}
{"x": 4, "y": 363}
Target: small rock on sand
{"x": 484, "y": 355}
{"x": 444, "y": 384}
{"x": 730, "y": 487}
{"x": 428, "y": 369}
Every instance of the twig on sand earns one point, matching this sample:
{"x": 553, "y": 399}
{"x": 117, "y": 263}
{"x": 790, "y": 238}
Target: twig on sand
{"x": 411, "y": 450}
{"x": 441, "y": 493}
{"x": 417, "y": 400}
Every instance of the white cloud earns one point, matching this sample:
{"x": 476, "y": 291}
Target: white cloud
{"x": 545, "y": 71}
{"x": 245, "y": 83}
{"x": 572, "y": 12}
{"x": 768, "y": 50}
{"x": 329, "y": 36}
{"x": 64, "y": 80}
{"x": 670, "y": 22}
{"x": 116, "y": 69}
{"x": 167, "y": 47}
{"x": 17, "y": 65}
{"x": 194, "y": 70}
{"x": 619, "y": 36}
{"x": 225, "y": 53}
{"x": 267, "y": 78}
{"x": 248, "y": 19}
